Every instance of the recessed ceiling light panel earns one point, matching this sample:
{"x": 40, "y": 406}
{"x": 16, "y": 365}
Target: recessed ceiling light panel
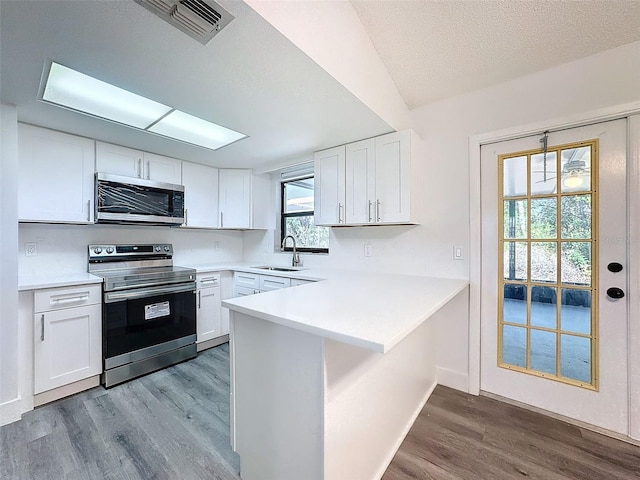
{"x": 70, "y": 89}
{"x": 190, "y": 129}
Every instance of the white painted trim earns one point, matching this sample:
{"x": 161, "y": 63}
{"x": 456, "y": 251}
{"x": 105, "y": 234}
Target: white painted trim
{"x": 392, "y": 453}
{"x": 453, "y": 379}
{"x": 633, "y": 273}
{"x": 66, "y": 390}
{"x": 214, "y": 342}
{"x": 475, "y": 234}
{"x": 10, "y": 411}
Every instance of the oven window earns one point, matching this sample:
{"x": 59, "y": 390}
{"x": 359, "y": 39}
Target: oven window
{"x": 134, "y": 324}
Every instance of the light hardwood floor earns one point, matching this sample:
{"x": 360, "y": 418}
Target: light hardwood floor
{"x": 174, "y": 424}
{"x": 462, "y": 437}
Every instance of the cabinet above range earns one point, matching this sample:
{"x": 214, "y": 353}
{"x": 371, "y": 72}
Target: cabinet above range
{"x": 119, "y": 160}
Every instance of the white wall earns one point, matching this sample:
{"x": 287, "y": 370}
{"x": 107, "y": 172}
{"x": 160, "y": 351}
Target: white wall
{"x": 9, "y": 401}
{"x": 331, "y": 34}
{"x": 63, "y": 248}
{"x": 599, "y": 81}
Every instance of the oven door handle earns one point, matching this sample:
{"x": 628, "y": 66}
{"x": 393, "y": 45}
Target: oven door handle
{"x": 110, "y": 297}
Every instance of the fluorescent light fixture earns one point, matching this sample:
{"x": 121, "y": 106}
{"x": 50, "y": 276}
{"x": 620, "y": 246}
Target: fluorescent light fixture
{"x": 75, "y": 90}
{"x": 190, "y": 129}
{"x": 71, "y": 89}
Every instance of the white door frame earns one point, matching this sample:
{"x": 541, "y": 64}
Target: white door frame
{"x": 633, "y": 272}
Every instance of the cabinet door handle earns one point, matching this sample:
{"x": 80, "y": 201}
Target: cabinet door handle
{"x": 186, "y": 217}
{"x": 148, "y": 169}
{"x": 199, "y": 298}
{"x": 370, "y": 219}
{"x": 340, "y": 213}
{"x": 78, "y": 298}
{"x": 88, "y": 210}
{"x": 221, "y": 219}
{"x": 42, "y": 327}
{"x": 139, "y": 168}
{"x": 377, "y": 210}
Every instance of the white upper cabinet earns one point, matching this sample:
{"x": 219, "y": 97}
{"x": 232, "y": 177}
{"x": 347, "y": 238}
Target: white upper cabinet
{"x": 201, "y": 195}
{"x": 128, "y": 162}
{"x": 235, "y": 198}
{"x": 379, "y": 181}
{"x": 393, "y": 178}
{"x": 55, "y": 176}
{"x": 360, "y": 182}
{"x": 245, "y": 200}
{"x": 162, "y": 169}
{"x": 329, "y": 191}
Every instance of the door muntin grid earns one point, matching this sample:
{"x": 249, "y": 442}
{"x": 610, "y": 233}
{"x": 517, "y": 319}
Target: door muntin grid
{"x": 547, "y": 302}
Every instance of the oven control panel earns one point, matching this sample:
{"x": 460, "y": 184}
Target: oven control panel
{"x": 124, "y": 251}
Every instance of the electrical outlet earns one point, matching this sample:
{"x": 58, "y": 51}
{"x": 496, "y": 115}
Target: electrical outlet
{"x": 30, "y": 249}
{"x": 367, "y": 250}
{"x": 216, "y": 245}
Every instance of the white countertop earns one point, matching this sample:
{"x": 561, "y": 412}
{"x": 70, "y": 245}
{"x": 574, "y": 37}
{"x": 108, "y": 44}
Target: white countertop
{"x": 370, "y": 310}
{"x": 36, "y": 282}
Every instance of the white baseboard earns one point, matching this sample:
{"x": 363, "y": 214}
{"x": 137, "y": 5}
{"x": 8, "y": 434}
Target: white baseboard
{"x": 10, "y": 411}
{"x": 453, "y": 379}
{"x": 214, "y": 342}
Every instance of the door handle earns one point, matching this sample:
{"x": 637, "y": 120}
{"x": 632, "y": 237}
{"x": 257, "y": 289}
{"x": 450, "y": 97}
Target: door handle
{"x": 615, "y": 292}
{"x": 199, "y": 298}
{"x": 42, "y": 327}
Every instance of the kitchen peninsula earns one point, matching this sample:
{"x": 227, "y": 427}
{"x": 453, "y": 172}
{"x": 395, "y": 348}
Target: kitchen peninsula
{"x": 327, "y": 378}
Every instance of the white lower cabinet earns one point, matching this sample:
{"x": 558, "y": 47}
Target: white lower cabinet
{"x": 67, "y": 336}
{"x": 208, "y": 313}
{"x": 250, "y": 283}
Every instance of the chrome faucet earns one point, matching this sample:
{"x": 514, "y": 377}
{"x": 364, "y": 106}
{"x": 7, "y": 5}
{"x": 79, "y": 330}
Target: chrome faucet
{"x": 296, "y": 256}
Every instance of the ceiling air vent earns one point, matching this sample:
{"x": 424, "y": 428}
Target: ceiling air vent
{"x": 200, "y": 19}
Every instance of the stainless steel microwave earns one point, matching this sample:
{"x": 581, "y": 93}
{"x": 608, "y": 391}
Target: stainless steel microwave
{"x": 135, "y": 201}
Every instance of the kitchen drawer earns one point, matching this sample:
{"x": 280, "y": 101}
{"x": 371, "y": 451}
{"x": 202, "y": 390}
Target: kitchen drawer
{"x": 273, "y": 283}
{"x": 244, "y": 291}
{"x": 208, "y": 280}
{"x": 242, "y": 279}
{"x": 66, "y": 297}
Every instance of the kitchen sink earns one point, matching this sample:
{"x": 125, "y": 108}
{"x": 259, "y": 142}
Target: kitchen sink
{"x": 278, "y": 269}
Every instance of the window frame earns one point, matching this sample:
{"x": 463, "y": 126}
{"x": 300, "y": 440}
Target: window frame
{"x": 284, "y": 215}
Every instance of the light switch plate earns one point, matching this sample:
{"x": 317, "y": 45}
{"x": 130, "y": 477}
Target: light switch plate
{"x": 458, "y": 253}
{"x": 367, "y": 250}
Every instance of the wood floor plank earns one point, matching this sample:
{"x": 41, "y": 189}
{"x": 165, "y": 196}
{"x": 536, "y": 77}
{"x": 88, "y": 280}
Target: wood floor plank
{"x": 471, "y": 437}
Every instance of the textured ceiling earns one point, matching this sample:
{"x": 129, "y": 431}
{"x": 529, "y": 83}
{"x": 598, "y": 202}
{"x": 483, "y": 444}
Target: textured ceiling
{"x": 435, "y": 49}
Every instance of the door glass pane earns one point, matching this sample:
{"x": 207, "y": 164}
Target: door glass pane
{"x": 544, "y": 174}
{"x": 543, "y": 307}
{"x": 515, "y": 219}
{"x": 544, "y": 216}
{"x": 515, "y": 261}
{"x": 515, "y": 303}
{"x": 575, "y": 355}
{"x": 576, "y": 263}
{"x": 544, "y": 262}
{"x": 576, "y": 216}
{"x": 514, "y": 345}
{"x": 547, "y": 240}
{"x": 575, "y": 313}
{"x": 543, "y": 351}
{"x": 515, "y": 176}
{"x": 576, "y": 169}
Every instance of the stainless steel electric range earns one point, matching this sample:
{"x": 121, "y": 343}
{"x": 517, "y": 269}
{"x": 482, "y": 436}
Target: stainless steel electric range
{"x": 148, "y": 309}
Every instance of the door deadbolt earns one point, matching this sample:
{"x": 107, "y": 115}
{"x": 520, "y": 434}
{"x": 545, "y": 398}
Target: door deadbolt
{"x": 614, "y": 267}
{"x": 615, "y": 292}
